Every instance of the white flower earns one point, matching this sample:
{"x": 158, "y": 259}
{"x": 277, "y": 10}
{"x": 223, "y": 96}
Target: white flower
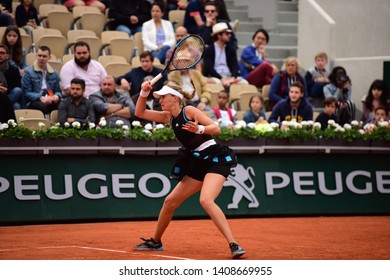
{"x": 125, "y": 127}
{"x": 347, "y": 126}
{"x": 91, "y": 125}
{"x": 54, "y": 127}
{"x": 219, "y": 120}
{"x": 147, "y": 131}
{"x": 361, "y": 131}
{"x": 240, "y": 124}
{"x": 229, "y": 123}
{"x": 5, "y": 125}
{"x": 354, "y": 123}
{"x": 340, "y": 129}
{"x": 21, "y": 119}
{"x": 383, "y": 124}
{"x": 274, "y": 125}
{"x": 304, "y": 123}
{"x": 1, "y": 126}
{"x": 285, "y": 123}
{"x": 159, "y": 126}
{"x": 57, "y": 124}
{"x": 12, "y": 123}
{"x": 251, "y": 125}
{"x": 136, "y": 124}
{"x": 102, "y": 122}
{"x": 331, "y": 122}
{"x": 76, "y": 124}
{"x": 149, "y": 126}
{"x": 41, "y": 124}
{"x": 119, "y": 123}
{"x": 310, "y": 123}
{"x": 317, "y": 126}
{"x": 66, "y": 124}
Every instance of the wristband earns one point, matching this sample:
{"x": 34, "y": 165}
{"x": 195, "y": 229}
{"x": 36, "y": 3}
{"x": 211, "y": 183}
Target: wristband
{"x": 200, "y": 129}
{"x": 143, "y": 93}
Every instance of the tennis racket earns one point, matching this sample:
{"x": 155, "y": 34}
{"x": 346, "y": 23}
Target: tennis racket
{"x": 187, "y": 53}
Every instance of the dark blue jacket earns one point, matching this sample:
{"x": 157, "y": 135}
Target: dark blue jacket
{"x": 284, "y": 112}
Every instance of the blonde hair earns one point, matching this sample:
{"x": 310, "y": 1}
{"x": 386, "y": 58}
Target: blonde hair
{"x": 173, "y": 84}
{"x": 288, "y": 60}
{"x": 321, "y": 55}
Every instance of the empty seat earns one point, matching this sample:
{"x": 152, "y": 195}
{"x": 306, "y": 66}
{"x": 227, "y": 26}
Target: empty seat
{"x": 74, "y": 33}
{"x": 63, "y": 21}
{"x": 57, "y": 44}
{"x": 105, "y": 59}
{"x": 122, "y": 47}
{"x": 176, "y": 17}
{"x": 28, "y": 114}
{"x": 117, "y": 69}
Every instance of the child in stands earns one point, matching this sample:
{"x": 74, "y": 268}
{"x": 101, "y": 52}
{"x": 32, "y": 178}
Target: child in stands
{"x": 330, "y": 105}
{"x": 225, "y": 116}
{"x": 255, "y": 113}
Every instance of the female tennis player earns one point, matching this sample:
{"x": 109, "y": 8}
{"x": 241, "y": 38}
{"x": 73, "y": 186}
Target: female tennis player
{"x": 203, "y": 164}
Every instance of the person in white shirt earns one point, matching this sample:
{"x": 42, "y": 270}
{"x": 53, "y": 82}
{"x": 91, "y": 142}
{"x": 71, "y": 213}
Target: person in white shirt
{"x": 82, "y": 67}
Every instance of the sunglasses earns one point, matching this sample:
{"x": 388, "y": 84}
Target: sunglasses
{"x": 210, "y": 11}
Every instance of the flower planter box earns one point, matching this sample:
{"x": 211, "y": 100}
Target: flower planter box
{"x": 66, "y": 146}
{"x": 127, "y": 143}
{"x": 243, "y": 145}
{"x": 285, "y": 143}
{"x": 169, "y": 144}
{"x": 18, "y": 143}
{"x": 347, "y": 147}
{"x": 380, "y": 144}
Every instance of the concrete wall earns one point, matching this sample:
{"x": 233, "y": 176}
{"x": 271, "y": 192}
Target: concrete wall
{"x": 266, "y": 9}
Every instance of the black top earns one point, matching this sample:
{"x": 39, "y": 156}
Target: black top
{"x": 188, "y": 139}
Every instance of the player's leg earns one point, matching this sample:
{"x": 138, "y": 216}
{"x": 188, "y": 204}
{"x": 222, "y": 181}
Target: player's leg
{"x": 212, "y": 186}
{"x": 183, "y": 190}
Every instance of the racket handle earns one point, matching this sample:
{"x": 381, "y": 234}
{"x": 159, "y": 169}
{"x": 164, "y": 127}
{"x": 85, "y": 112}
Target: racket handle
{"x": 155, "y": 79}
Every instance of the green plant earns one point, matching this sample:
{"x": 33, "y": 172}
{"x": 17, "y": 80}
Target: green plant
{"x": 14, "y": 131}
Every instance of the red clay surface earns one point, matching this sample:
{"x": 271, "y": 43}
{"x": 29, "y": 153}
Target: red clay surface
{"x": 313, "y": 238}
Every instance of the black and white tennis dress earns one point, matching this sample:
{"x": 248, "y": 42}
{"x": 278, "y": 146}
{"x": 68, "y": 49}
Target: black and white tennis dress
{"x": 200, "y": 153}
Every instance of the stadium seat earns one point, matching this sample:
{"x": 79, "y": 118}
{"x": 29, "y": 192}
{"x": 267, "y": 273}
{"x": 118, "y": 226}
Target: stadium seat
{"x": 117, "y": 69}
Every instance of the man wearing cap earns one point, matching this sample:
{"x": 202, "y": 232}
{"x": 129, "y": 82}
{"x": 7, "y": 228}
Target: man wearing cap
{"x": 220, "y": 59}
{"x": 211, "y": 14}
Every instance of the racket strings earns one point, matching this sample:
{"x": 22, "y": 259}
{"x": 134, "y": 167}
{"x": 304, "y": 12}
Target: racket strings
{"x": 188, "y": 53}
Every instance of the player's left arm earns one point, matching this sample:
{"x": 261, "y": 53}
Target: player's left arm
{"x": 197, "y": 119}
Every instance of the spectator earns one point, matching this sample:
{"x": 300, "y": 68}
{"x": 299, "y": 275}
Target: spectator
{"x": 191, "y": 80}
{"x": 222, "y": 10}
{"x": 317, "y": 76}
{"x": 223, "y": 114}
{"x": 26, "y": 16}
{"x": 381, "y": 114}
{"x": 10, "y": 81}
{"x": 180, "y": 33}
{"x": 158, "y": 35}
{"x": 13, "y": 40}
{"x": 6, "y": 16}
{"x": 133, "y": 79}
{"x": 220, "y": 59}
{"x": 254, "y": 64}
{"x": 83, "y": 67}
{"x": 255, "y": 113}
{"x": 340, "y": 87}
{"x": 194, "y": 16}
{"x": 112, "y": 104}
{"x": 94, "y": 3}
{"x": 205, "y": 30}
{"x": 6, "y": 110}
{"x": 294, "y": 107}
{"x": 280, "y": 84}
{"x": 128, "y": 15}
{"x": 329, "y": 112}
{"x": 41, "y": 84}
{"x": 376, "y": 96}
{"x": 75, "y": 107}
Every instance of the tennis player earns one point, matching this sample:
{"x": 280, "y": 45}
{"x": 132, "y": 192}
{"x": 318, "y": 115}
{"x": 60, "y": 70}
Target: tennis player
{"x": 202, "y": 165}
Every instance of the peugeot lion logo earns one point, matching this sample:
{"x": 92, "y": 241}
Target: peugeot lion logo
{"x": 237, "y": 179}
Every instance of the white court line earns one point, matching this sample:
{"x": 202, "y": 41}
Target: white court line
{"x": 101, "y": 249}
{"x": 96, "y": 249}
{"x": 117, "y": 251}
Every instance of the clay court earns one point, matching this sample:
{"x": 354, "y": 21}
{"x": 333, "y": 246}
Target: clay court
{"x": 288, "y": 238}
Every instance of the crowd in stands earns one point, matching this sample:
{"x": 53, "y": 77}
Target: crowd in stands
{"x": 84, "y": 91}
